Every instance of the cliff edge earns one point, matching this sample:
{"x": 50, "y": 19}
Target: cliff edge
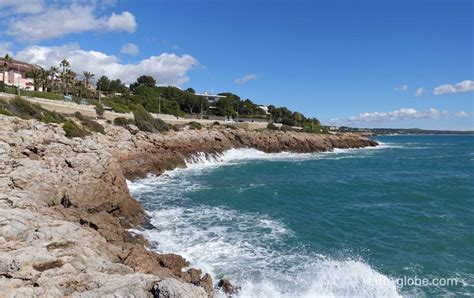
{"x": 65, "y": 207}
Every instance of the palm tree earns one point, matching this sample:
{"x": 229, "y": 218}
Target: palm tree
{"x": 6, "y": 60}
{"x": 37, "y": 75}
{"x": 87, "y": 78}
{"x": 53, "y": 73}
{"x": 65, "y": 65}
{"x": 68, "y": 78}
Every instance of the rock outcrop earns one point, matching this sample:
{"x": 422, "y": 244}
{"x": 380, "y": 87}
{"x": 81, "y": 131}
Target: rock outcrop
{"x": 65, "y": 207}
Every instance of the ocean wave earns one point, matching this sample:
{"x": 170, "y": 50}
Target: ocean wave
{"x": 241, "y": 246}
{"x": 253, "y": 250}
{"x": 203, "y": 160}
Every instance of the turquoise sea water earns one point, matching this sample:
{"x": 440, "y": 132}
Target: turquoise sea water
{"x": 346, "y": 223}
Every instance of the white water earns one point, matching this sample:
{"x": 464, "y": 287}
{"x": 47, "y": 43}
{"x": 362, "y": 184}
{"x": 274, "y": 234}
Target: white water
{"x": 241, "y": 245}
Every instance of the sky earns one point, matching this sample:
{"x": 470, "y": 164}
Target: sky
{"x": 399, "y": 64}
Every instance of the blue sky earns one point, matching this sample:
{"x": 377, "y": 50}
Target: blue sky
{"x": 358, "y": 63}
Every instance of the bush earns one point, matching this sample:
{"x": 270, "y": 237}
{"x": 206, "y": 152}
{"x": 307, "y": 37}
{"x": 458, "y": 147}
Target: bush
{"x": 5, "y": 112}
{"x": 195, "y": 125}
{"x": 121, "y": 121}
{"x": 118, "y": 107}
{"x": 271, "y": 126}
{"x": 72, "y": 130}
{"x": 27, "y": 110}
{"x": 99, "y": 109}
{"x": 89, "y": 123}
{"x": 46, "y": 95}
{"x": 145, "y": 122}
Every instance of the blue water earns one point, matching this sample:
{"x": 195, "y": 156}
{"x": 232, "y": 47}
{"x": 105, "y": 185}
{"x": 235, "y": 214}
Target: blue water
{"x": 346, "y": 223}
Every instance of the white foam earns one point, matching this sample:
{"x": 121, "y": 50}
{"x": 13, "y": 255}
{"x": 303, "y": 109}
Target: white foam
{"x": 241, "y": 246}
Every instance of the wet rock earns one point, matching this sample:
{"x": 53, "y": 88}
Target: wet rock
{"x": 227, "y": 287}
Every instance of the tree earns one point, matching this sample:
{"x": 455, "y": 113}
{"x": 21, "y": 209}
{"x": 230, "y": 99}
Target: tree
{"x": 190, "y": 90}
{"x": 37, "y": 75}
{"x": 68, "y": 79}
{"x": 87, "y": 78}
{"x": 143, "y": 81}
{"x": 65, "y": 65}
{"x": 103, "y": 84}
{"x": 6, "y": 61}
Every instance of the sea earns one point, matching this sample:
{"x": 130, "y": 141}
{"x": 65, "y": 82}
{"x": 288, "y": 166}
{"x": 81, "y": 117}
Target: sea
{"x": 390, "y": 221}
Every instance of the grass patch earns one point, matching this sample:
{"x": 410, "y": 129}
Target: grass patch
{"x": 24, "y": 109}
{"x": 73, "y": 130}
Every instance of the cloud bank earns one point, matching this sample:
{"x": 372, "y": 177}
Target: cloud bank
{"x": 167, "y": 69}
{"x": 464, "y": 86}
{"x": 379, "y": 117}
{"x": 41, "y": 22}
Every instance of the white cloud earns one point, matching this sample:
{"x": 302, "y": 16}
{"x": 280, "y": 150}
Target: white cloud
{"x": 23, "y": 6}
{"x": 401, "y": 114}
{"x": 419, "y": 91}
{"x": 56, "y": 21}
{"x": 401, "y": 88}
{"x": 463, "y": 86}
{"x": 462, "y": 114}
{"x": 167, "y": 69}
{"x": 246, "y": 78}
{"x": 129, "y": 49}
{"x": 5, "y": 48}
{"x": 121, "y": 22}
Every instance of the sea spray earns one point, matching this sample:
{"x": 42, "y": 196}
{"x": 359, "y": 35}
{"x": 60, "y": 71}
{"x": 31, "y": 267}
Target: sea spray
{"x": 334, "y": 224}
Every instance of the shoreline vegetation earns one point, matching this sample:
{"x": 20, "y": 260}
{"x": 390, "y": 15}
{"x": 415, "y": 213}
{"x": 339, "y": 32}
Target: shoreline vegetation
{"x": 68, "y": 213}
{"x": 62, "y": 83}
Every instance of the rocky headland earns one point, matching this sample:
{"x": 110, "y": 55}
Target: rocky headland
{"x": 65, "y": 209}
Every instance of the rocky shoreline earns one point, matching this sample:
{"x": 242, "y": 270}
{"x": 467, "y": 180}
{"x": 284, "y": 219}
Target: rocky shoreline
{"x": 65, "y": 209}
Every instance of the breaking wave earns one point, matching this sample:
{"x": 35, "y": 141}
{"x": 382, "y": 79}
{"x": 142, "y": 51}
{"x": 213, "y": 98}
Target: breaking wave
{"x": 259, "y": 253}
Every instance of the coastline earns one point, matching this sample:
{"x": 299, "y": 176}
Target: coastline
{"x": 66, "y": 207}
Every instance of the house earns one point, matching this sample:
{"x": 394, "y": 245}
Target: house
{"x": 211, "y": 98}
{"x": 265, "y": 109}
{"x": 14, "y": 73}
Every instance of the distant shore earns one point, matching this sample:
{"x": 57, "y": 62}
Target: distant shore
{"x": 68, "y": 212}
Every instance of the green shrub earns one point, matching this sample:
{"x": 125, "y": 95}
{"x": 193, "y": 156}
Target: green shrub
{"x": 121, "y": 121}
{"x": 46, "y": 95}
{"x": 27, "y": 110}
{"x": 5, "y": 112}
{"x": 89, "y": 123}
{"x": 118, "y": 107}
{"x": 195, "y": 125}
{"x": 145, "y": 121}
{"x": 271, "y": 126}
{"x": 99, "y": 109}
{"x": 72, "y": 130}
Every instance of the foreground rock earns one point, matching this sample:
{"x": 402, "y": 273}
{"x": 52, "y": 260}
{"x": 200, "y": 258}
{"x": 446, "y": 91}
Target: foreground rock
{"x": 65, "y": 207}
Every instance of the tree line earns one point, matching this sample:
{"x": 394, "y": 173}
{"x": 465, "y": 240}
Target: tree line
{"x": 158, "y": 99}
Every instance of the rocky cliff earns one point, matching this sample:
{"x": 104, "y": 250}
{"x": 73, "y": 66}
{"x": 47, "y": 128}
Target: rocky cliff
{"x": 65, "y": 207}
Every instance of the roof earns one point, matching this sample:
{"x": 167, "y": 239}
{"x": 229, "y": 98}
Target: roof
{"x": 18, "y": 65}
{"x": 209, "y": 95}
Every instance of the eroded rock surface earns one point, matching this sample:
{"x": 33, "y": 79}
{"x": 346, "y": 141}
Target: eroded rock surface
{"x": 65, "y": 207}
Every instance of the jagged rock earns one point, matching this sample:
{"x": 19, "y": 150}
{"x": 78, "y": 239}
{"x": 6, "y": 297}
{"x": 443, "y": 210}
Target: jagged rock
{"x": 65, "y": 206}
{"x": 171, "y": 288}
{"x": 226, "y": 286}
